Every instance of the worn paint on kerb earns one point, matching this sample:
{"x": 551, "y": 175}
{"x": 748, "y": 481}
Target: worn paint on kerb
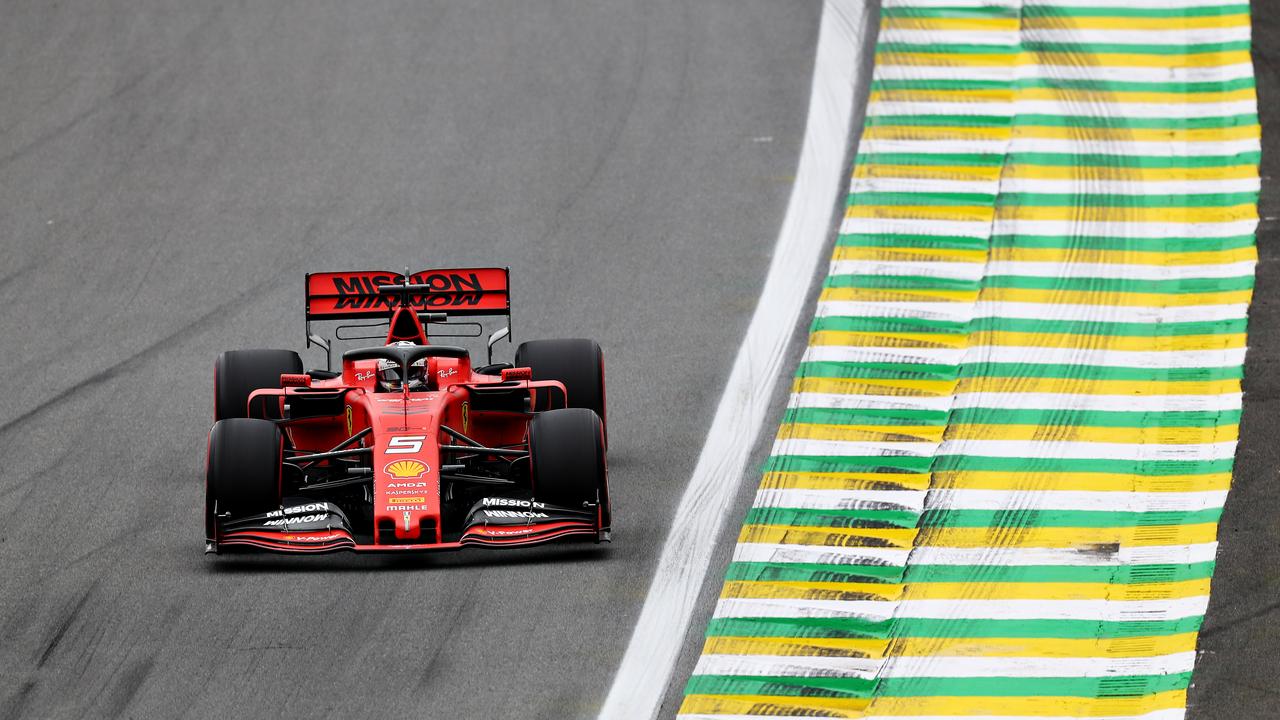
{"x": 997, "y": 486}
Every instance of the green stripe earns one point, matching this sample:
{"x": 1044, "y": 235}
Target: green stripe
{"x": 1075, "y": 121}
{"x": 1094, "y": 418}
{"x": 936, "y": 628}
{"x": 1063, "y": 518}
{"x": 889, "y": 85}
{"x": 798, "y": 687}
{"x": 1111, "y": 686}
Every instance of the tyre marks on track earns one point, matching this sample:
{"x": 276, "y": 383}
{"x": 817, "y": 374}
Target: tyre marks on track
{"x": 997, "y": 486}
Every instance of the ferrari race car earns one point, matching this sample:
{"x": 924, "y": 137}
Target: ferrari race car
{"x": 406, "y": 446}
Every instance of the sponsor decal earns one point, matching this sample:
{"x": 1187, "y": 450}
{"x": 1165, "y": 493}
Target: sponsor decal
{"x": 399, "y": 485}
{"x": 514, "y": 514}
{"x": 466, "y": 417}
{"x": 300, "y": 509}
{"x": 512, "y": 502}
{"x": 405, "y": 445}
{"x": 366, "y": 375}
{"x": 315, "y": 538}
{"x": 406, "y": 469}
{"x": 450, "y": 372}
{"x": 297, "y": 520}
{"x": 406, "y": 522}
{"x": 407, "y": 500}
{"x": 361, "y": 291}
{"x": 518, "y": 531}
{"x": 402, "y": 508}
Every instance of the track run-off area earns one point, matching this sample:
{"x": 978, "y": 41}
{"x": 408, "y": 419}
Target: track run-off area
{"x": 997, "y": 485}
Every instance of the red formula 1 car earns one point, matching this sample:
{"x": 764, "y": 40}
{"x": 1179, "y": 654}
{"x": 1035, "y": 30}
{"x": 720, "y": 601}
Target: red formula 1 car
{"x": 407, "y": 447}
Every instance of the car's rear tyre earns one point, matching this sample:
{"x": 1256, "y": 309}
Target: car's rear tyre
{"x": 577, "y": 363}
{"x": 237, "y": 373}
{"x": 243, "y": 473}
{"x": 567, "y": 457}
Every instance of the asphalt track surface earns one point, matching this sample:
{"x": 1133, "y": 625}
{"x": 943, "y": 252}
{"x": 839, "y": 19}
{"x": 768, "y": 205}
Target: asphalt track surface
{"x": 168, "y": 172}
{"x": 1235, "y": 675}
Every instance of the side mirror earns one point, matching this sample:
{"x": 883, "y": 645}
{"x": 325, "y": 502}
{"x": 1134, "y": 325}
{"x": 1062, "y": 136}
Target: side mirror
{"x": 517, "y": 374}
{"x": 495, "y": 337}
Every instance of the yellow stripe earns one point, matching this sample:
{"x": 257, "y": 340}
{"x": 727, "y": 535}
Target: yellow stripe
{"x": 811, "y": 591}
{"x": 1045, "y": 647}
{"x": 1088, "y": 386}
{"x": 910, "y": 254}
{"x": 1122, "y": 257}
{"x": 1062, "y": 95}
{"x": 1241, "y": 132}
{"x": 884, "y": 433}
{"x": 1127, "y": 299}
{"x": 898, "y": 340}
{"x": 1080, "y": 482}
{"x": 1102, "y": 22}
{"x": 1080, "y": 433}
{"x": 1051, "y": 58}
{"x": 1039, "y": 706}
{"x": 828, "y": 537}
{"x": 926, "y": 172}
{"x": 1083, "y": 172}
{"x": 981, "y": 537}
{"x": 1055, "y": 537}
{"x": 838, "y": 647}
{"x": 1109, "y": 342}
{"x": 998, "y": 24}
{"x": 1053, "y": 132}
{"x": 773, "y": 705}
{"x": 1025, "y": 171}
{"x": 1018, "y": 339}
{"x": 844, "y": 481}
{"x": 954, "y": 647}
{"x": 958, "y": 213}
{"x": 888, "y": 295}
{"x": 1224, "y": 214}
{"x": 976, "y": 590}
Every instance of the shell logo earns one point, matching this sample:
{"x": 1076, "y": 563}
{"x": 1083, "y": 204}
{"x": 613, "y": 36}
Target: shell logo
{"x": 406, "y": 469}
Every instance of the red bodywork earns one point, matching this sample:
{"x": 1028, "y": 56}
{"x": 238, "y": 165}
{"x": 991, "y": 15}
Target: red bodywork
{"x": 406, "y": 433}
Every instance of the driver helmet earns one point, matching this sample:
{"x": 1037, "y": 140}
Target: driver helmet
{"x": 389, "y": 374}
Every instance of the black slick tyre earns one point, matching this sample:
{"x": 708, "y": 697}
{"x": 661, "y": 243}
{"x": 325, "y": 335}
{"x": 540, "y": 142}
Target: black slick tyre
{"x": 243, "y": 472}
{"x": 567, "y": 457}
{"x": 577, "y": 363}
{"x": 237, "y": 373}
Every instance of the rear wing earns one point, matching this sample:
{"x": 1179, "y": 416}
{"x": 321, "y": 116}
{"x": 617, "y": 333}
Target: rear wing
{"x": 376, "y": 293}
{"x": 433, "y": 295}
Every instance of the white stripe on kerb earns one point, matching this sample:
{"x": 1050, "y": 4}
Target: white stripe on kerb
{"x": 642, "y": 677}
{"x": 957, "y": 666}
{"x": 949, "y": 609}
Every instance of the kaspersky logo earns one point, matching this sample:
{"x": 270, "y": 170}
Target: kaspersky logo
{"x": 406, "y": 469}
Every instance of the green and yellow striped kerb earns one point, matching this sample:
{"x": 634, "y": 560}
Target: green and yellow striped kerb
{"x": 996, "y": 489}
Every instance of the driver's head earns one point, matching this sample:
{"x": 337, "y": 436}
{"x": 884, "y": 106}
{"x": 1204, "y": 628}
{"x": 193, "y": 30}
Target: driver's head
{"x": 389, "y": 374}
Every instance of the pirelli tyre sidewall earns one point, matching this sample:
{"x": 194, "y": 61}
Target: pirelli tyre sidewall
{"x": 567, "y": 457}
{"x": 577, "y": 363}
{"x": 237, "y": 373}
{"x": 243, "y": 472}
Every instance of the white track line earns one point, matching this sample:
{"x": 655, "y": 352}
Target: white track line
{"x": 838, "y": 77}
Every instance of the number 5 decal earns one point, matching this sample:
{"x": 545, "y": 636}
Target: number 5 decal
{"x": 405, "y": 444}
